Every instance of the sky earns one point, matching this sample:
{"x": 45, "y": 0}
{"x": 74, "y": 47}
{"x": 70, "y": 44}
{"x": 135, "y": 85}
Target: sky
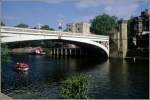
{"x": 50, "y": 12}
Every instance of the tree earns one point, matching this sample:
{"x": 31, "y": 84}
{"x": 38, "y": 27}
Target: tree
{"x": 34, "y": 28}
{"x": 103, "y": 24}
{"x": 5, "y": 57}
{"x": 46, "y": 27}
{"x": 22, "y": 25}
{"x": 2, "y": 24}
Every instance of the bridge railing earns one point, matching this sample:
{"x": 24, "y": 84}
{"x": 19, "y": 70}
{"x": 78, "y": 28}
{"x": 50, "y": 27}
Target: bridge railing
{"x": 48, "y": 32}
{"x": 15, "y": 29}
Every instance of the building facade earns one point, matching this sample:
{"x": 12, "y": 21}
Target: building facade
{"x": 138, "y": 27}
{"x": 81, "y": 27}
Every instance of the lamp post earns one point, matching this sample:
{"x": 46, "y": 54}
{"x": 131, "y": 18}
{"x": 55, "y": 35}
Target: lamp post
{"x": 60, "y": 28}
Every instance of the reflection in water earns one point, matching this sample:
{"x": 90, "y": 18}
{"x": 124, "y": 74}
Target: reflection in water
{"x": 128, "y": 79}
{"x": 113, "y": 78}
{"x": 21, "y": 79}
{"x": 119, "y": 78}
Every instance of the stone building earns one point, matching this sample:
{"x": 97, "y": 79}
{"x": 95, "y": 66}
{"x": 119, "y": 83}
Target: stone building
{"x": 81, "y": 27}
{"x": 138, "y": 27}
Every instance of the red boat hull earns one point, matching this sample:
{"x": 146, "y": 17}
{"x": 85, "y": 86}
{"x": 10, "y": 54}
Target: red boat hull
{"x": 22, "y": 67}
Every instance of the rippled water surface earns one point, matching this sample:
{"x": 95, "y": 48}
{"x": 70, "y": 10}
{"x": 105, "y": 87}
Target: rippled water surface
{"x": 113, "y": 78}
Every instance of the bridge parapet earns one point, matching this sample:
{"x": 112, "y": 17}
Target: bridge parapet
{"x": 15, "y": 29}
{"x": 48, "y": 32}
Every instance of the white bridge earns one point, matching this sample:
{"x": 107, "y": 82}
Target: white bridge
{"x": 13, "y": 34}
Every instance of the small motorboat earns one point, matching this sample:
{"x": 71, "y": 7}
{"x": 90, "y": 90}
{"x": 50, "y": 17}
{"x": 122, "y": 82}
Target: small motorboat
{"x": 22, "y": 67}
{"x": 43, "y": 53}
{"x": 38, "y": 52}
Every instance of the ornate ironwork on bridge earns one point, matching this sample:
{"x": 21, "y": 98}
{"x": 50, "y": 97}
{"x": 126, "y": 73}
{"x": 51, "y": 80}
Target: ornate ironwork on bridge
{"x": 105, "y": 44}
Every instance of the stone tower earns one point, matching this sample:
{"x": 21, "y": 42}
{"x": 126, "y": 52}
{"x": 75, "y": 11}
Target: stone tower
{"x": 122, "y": 39}
{"x": 119, "y": 41}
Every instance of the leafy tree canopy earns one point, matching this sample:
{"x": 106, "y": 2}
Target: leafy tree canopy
{"x": 5, "y": 57}
{"x": 103, "y": 24}
{"x": 46, "y": 27}
{"x": 2, "y": 24}
{"x": 22, "y": 25}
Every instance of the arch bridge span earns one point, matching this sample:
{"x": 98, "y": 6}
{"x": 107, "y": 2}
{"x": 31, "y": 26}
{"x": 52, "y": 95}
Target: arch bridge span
{"x": 99, "y": 43}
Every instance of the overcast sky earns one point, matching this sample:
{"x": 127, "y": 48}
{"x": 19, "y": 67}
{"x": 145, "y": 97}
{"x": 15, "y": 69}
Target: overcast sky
{"x": 34, "y": 12}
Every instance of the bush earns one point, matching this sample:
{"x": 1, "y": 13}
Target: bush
{"x": 5, "y": 57}
{"x": 75, "y": 87}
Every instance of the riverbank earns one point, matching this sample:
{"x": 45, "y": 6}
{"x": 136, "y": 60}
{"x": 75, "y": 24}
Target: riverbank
{"x": 132, "y": 59}
{"x": 24, "y": 50}
{"x": 137, "y": 54}
{"x": 137, "y": 59}
{"x": 131, "y": 55}
{"x": 5, "y": 97}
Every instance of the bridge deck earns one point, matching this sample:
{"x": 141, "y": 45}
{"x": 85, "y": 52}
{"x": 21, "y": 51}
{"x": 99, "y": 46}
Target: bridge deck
{"x": 13, "y": 34}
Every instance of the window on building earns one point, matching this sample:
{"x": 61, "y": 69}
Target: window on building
{"x": 78, "y": 29}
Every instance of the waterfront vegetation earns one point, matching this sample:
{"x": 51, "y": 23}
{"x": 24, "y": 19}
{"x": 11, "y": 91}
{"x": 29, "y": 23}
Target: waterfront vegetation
{"x": 75, "y": 87}
{"x": 5, "y": 58}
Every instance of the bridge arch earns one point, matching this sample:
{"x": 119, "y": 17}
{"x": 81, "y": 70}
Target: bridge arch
{"x": 82, "y": 42}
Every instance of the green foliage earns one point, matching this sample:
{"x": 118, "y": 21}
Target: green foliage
{"x": 34, "y": 27}
{"x": 5, "y": 54}
{"x": 2, "y": 24}
{"x": 46, "y": 27}
{"x": 22, "y": 25}
{"x": 103, "y": 24}
{"x": 75, "y": 87}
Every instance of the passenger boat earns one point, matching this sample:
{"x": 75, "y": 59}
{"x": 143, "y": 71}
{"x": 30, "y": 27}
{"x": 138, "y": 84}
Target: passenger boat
{"x": 38, "y": 51}
{"x": 22, "y": 67}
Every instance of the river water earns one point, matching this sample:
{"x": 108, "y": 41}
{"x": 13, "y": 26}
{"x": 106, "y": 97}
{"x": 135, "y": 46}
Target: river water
{"x": 113, "y": 78}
